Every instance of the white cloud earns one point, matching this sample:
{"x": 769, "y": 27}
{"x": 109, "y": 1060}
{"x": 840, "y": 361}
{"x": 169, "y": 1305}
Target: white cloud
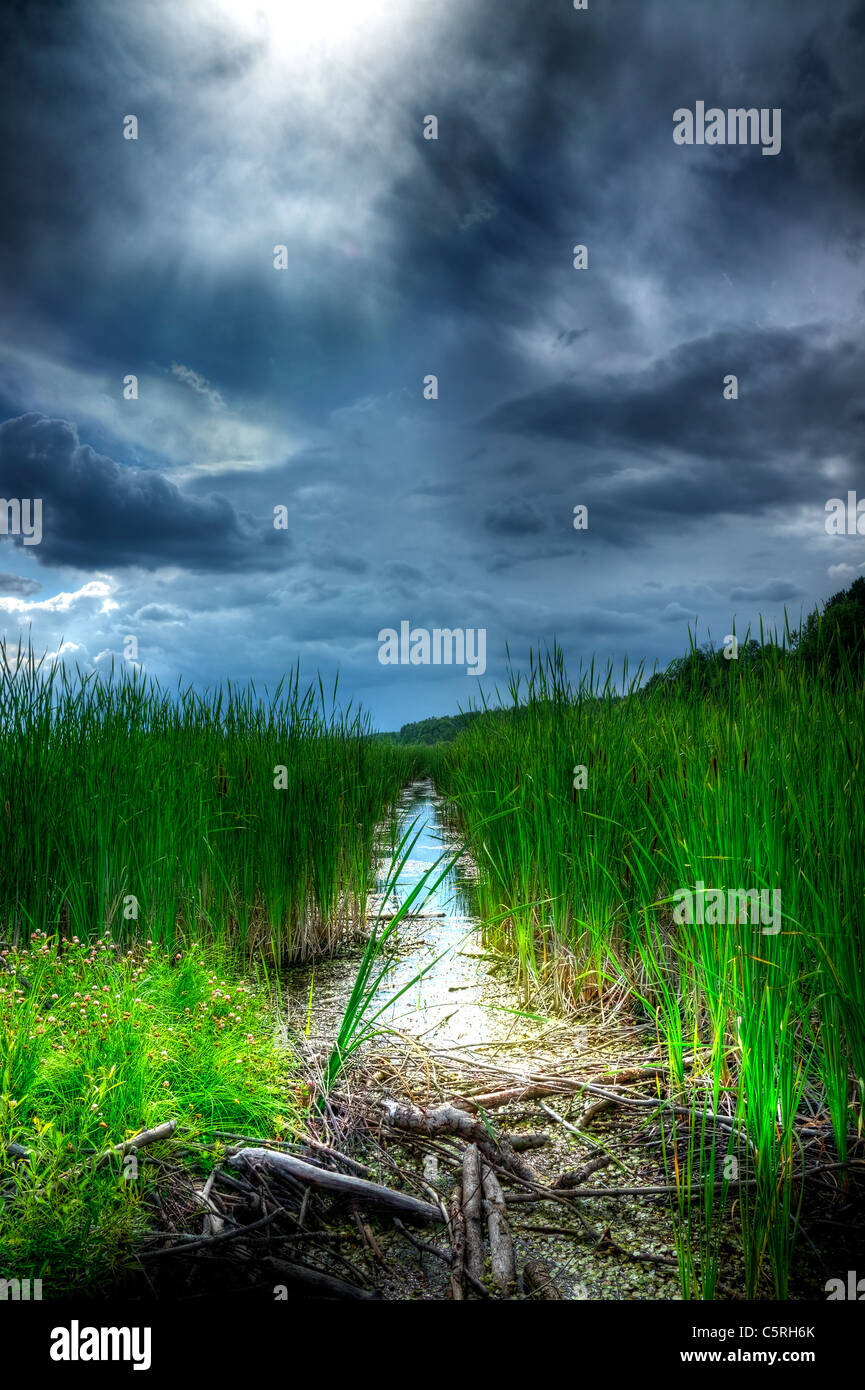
{"x": 63, "y": 602}
{"x": 198, "y": 383}
{"x": 844, "y": 571}
{"x": 196, "y": 437}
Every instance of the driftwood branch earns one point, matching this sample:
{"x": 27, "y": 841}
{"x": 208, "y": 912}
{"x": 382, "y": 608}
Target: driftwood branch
{"x": 458, "y": 1235}
{"x": 443, "y": 1119}
{"x": 472, "y": 1207}
{"x": 501, "y": 1243}
{"x": 383, "y": 1199}
{"x": 539, "y": 1281}
{"x": 138, "y": 1141}
{"x": 315, "y": 1281}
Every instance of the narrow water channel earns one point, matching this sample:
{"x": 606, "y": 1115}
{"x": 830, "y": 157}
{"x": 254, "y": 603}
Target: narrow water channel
{"x": 464, "y": 997}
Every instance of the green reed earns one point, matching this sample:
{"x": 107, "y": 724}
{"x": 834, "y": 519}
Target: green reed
{"x": 752, "y": 779}
{"x": 247, "y": 818}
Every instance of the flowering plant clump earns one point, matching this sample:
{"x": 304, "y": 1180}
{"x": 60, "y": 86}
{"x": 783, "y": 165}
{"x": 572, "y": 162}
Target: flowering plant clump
{"x": 97, "y": 1044}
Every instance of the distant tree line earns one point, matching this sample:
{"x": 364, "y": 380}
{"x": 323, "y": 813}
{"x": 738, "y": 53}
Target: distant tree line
{"x": 828, "y": 642}
{"x": 442, "y": 729}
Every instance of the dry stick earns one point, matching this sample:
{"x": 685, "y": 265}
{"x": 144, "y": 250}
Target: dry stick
{"x": 538, "y": 1089}
{"x": 472, "y": 1191}
{"x": 458, "y": 1238}
{"x": 367, "y": 1237}
{"x": 426, "y": 1249}
{"x": 604, "y": 1241}
{"x": 578, "y": 1193}
{"x": 574, "y": 1129}
{"x": 659, "y": 1103}
{"x": 214, "y": 1222}
{"x": 501, "y": 1243}
{"x": 384, "y": 1198}
{"x": 359, "y": 1168}
{"x": 200, "y": 1242}
{"x": 252, "y": 1139}
{"x": 139, "y": 1141}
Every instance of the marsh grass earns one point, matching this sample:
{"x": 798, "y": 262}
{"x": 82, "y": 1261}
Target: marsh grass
{"x": 753, "y": 782}
{"x": 119, "y": 798}
{"x": 150, "y": 860}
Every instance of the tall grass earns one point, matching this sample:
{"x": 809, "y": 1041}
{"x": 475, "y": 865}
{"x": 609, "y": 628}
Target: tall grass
{"x": 149, "y": 841}
{"x": 242, "y": 818}
{"x": 757, "y": 781}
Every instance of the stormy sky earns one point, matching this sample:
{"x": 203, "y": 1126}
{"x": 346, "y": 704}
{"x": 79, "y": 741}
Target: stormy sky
{"x": 302, "y": 125}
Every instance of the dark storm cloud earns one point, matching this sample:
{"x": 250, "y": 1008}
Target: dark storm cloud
{"x": 775, "y": 590}
{"x": 801, "y": 401}
{"x": 14, "y": 584}
{"x": 350, "y": 564}
{"x": 97, "y": 513}
{"x": 514, "y": 518}
{"x": 453, "y": 257}
{"x": 790, "y": 382}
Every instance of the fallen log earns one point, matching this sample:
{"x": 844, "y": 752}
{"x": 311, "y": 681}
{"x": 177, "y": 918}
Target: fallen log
{"x": 315, "y": 1282}
{"x": 493, "y": 1100}
{"x": 214, "y": 1222}
{"x": 520, "y": 1143}
{"x": 574, "y": 1177}
{"x": 539, "y": 1281}
{"x": 458, "y": 1237}
{"x": 502, "y": 1263}
{"x": 443, "y": 1119}
{"x": 447, "y": 1119}
{"x": 383, "y": 1199}
{"x": 472, "y": 1207}
{"x": 599, "y": 1107}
